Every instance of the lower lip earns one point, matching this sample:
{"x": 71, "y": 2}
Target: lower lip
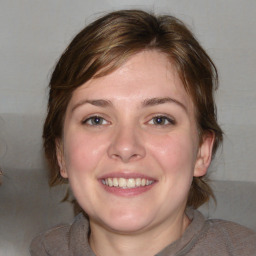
{"x": 128, "y": 192}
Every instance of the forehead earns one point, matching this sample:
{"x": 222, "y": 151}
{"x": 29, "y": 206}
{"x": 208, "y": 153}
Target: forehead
{"x": 148, "y": 74}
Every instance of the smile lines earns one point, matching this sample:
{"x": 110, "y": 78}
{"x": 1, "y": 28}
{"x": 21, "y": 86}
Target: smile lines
{"x": 126, "y": 183}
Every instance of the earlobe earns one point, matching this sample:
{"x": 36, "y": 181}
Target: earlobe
{"x": 60, "y": 158}
{"x": 204, "y": 155}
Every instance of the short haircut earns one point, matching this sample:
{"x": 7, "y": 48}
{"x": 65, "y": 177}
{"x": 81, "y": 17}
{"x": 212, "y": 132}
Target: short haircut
{"x": 104, "y": 45}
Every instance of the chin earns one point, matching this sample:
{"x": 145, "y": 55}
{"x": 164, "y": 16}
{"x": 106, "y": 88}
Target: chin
{"x": 127, "y": 227}
{"x": 132, "y": 222}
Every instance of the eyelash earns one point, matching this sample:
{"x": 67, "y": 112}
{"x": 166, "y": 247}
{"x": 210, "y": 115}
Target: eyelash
{"x": 167, "y": 120}
{"x": 91, "y": 118}
{"x": 153, "y": 121}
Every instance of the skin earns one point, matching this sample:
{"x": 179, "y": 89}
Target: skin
{"x": 127, "y": 141}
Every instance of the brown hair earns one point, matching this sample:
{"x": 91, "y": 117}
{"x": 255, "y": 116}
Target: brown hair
{"x": 104, "y": 45}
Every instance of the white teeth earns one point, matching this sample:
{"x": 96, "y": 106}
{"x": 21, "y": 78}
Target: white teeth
{"x": 115, "y": 182}
{"x": 122, "y": 182}
{"x": 138, "y": 182}
{"x": 127, "y": 183}
{"x": 110, "y": 182}
{"x": 131, "y": 183}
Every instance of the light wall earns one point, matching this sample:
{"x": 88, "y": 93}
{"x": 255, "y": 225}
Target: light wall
{"x": 34, "y": 33}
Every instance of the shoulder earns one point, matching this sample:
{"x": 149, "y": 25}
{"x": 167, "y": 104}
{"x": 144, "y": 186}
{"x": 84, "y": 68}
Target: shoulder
{"x": 230, "y": 229}
{"x": 57, "y": 240}
{"x": 217, "y": 237}
{"x": 232, "y": 237}
{"x": 51, "y": 241}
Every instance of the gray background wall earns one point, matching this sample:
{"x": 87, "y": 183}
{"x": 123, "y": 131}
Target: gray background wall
{"x": 33, "y": 33}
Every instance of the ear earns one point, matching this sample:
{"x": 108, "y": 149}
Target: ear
{"x": 204, "y": 155}
{"x": 60, "y": 158}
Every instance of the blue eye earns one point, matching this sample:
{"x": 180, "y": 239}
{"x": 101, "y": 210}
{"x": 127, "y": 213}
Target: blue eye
{"x": 161, "y": 120}
{"x": 95, "y": 120}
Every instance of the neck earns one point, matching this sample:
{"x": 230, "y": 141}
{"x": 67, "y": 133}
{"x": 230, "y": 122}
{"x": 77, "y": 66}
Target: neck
{"x": 147, "y": 242}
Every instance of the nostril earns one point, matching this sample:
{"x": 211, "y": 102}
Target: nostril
{"x": 126, "y": 145}
{"x": 126, "y": 156}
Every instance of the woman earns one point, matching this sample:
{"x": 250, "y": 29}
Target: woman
{"x": 132, "y": 127}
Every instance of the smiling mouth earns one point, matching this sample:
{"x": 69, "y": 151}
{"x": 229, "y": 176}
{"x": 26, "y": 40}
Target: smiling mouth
{"x": 126, "y": 183}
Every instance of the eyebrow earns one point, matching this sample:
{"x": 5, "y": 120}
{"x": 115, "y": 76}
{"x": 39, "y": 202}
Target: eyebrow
{"x": 98, "y": 103}
{"x": 146, "y": 103}
{"x": 158, "y": 101}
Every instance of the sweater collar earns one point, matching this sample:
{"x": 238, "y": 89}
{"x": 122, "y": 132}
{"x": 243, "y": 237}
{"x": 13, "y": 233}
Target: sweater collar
{"x": 79, "y": 244}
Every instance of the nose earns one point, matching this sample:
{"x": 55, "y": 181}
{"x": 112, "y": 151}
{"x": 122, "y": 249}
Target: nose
{"x": 126, "y": 145}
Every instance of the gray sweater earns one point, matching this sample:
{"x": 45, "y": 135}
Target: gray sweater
{"x": 201, "y": 238}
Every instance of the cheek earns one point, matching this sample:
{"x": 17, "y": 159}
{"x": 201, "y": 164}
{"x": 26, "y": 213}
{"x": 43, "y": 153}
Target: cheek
{"x": 175, "y": 153}
{"x": 82, "y": 152}
{"x": 176, "y": 158}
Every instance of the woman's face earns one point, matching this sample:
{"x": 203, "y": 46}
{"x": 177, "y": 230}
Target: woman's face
{"x": 130, "y": 146}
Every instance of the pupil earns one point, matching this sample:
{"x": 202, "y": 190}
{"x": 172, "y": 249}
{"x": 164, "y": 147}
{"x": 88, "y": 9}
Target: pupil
{"x": 159, "y": 120}
{"x": 96, "y": 120}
